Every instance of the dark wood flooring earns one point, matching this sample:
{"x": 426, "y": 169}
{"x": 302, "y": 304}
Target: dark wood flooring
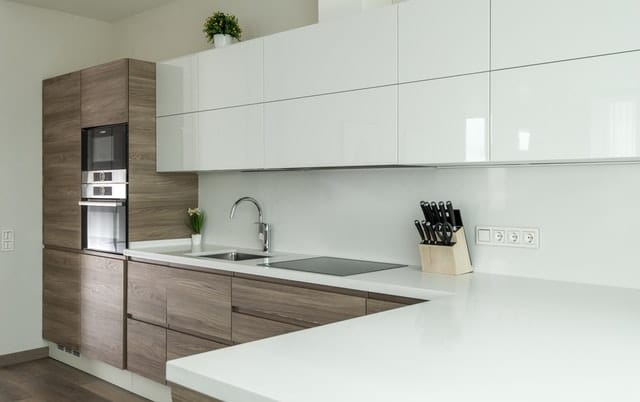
{"x": 48, "y": 380}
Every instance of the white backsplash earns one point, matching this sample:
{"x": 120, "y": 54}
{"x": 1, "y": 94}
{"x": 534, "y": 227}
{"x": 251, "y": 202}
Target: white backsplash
{"x": 587, "y": 215}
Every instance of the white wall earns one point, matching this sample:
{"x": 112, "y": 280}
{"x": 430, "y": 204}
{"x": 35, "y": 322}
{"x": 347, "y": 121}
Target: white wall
{"x": 175, "y": 29}
{"x": 34, "y": 44}
{"x": 588, "y": 215}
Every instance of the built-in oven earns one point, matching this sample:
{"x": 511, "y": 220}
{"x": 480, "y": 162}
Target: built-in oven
{"x": 104, "y": 217}
{"x": 104, "y": 188}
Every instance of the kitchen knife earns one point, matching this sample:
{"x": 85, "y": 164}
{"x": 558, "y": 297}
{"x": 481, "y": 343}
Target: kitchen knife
{"x": 424, "y": 206}
{"x": 452, "y": 215}
{"x": 432, "y": 233}
{"x": 435, "y": 212}
{"x": 443, "y": 212}
{"x": 427, "y": 233}
{"x": 422, "y": 236}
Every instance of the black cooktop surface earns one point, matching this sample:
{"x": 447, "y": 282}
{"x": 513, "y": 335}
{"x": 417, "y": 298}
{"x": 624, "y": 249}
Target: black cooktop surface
{"x": 332, "y": 266}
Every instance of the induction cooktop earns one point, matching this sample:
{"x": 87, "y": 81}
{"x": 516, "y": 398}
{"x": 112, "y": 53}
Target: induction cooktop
{"x": 332, "y": 266}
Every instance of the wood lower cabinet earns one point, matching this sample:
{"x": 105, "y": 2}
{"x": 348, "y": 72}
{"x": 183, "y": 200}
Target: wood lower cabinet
{"x": 61, "y": 298}
{"x": 247, "y": 328}
{"x": 83, "y": 304}
{"x": 147, "y": 292}
{"x": 377, "y": 303}
{"x": 296, "y": 304}
{"x": 146, "y": 350}
{"x": 61, "y": 145}
{"x": 199, "y": 303}
{"x": 182, "y": 394}
{"x": 181, "y": 345}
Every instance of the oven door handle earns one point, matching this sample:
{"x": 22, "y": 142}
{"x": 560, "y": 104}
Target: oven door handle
{"x": 113, "y": 204}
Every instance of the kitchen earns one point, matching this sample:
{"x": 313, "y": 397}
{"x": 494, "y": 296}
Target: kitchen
{"x": 322, "y": 114}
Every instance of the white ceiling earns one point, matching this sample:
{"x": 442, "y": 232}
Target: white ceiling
{"x": 104, "y": 10}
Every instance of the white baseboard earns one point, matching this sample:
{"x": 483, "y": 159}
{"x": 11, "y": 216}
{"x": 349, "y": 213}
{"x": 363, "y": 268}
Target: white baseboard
{"x": 121, "y": 378}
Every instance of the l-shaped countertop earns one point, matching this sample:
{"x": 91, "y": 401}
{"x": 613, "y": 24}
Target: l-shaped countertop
{"x": 481, "y": 337}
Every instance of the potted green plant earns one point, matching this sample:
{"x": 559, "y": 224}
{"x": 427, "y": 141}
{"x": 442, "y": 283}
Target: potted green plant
{"x": 221, "y": 29}
{"x": 196, "y": 219}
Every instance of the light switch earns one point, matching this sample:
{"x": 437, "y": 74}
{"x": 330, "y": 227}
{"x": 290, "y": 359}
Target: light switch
{"x": 7, "y": 235}
{"x": 7, "y": 245}
{"x": 483, "y": 235}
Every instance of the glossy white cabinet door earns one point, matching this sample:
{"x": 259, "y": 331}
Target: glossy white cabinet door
{"x": 176, "y": 143}
{"x": 442, "y": 38}
{"x": 444, "y": 120}
{"x": 177, "y": 86}
{"x": 230, "y": 76}
{"x": 349, "y": 53}
{"x": 346, "y": 129}
{"x": 231, "y": 138}
{"x": 527, "y": 32}
{"x": 575, "y": 110}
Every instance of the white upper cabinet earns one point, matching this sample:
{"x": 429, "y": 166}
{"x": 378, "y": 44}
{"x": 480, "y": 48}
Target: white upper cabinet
{"x": 355, "y": 128}
{"x": 177, "y": 86}
{"x": 345, "y": 54}
{"x": 176, "y": 143}
{"x": 442, "y": 38}
{"x": 445, "y": 120}
{"x": 230, "y": 76}
{"x": 527, "y": 32}
{"x": 231, "y": 138}
{"x": 575, "y": 110}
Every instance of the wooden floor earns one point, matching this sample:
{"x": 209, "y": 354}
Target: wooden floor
{"x": 48, "y": 380}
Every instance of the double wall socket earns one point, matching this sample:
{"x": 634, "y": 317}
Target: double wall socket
{"x": 7, "y": 240}
{"x": 508, "y": 236}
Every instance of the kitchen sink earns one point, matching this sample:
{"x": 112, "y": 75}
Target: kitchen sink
{"x": 235, "y": 256}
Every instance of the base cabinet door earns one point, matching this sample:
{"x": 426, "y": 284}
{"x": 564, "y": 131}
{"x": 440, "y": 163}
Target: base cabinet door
{"x": 147, "y": 292}
{"x": 61, "y": 298}
{"x": 181, "y": 345}
{"x": 247, "y": 328}
{"x": 146, "y": 350}
{"x": 199, "y": 303}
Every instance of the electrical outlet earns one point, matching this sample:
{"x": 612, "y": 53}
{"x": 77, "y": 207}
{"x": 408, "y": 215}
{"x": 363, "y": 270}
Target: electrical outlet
{"x": 508, "y": 236}
{"x": 7, "y": 245}
{"x": 6, "y": 235}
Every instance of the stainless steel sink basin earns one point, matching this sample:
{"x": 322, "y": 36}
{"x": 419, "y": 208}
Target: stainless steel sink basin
{"x": 234, "y": 256}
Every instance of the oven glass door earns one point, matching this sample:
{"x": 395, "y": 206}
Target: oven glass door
{"x": 105, "y": 226}
{"x": 104, "y": 148}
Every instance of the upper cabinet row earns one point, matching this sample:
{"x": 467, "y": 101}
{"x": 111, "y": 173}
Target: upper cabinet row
{"x": 420, "y": 82}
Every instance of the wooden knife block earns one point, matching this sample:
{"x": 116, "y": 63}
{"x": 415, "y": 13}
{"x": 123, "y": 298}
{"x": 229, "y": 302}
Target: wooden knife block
{"x": 450, "y": 260}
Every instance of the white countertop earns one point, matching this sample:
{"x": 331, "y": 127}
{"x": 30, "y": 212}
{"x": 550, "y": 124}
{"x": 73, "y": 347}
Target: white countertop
{"x": 481, "y": 338}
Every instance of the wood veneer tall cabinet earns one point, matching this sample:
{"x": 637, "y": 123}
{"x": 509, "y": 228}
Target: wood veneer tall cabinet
{"x": 84, "y": 293}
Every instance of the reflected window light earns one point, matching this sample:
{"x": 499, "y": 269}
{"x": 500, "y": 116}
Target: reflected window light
{"x": 524, "y": 139}
{"x": 475, "y": 140}
{"x": 622, "y": 128}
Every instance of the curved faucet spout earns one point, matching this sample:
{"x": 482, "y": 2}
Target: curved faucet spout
{"x": 248, "y": 199}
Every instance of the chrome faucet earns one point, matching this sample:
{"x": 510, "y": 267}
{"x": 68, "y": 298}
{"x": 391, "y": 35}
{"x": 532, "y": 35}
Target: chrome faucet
{"x": 263, "y": 228}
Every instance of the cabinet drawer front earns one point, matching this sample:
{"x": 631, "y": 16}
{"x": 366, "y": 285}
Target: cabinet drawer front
{"x": 181, "y": 345}
{"x": 199, "y": 303}
{"x": 146, "y": 293}
{"x": 310, "y": 306}
{"x": 346, "y": 129}
{"x": 575, "y": 110}
{"x": 146, "y": 350}
{"x": 339, "y": 55}
{"x": 247, "y": 328}
{"x": 230, "y": 76}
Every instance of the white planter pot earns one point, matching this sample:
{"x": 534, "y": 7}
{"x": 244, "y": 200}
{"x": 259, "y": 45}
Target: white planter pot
{"x": 196, "y": 242}
{"x": 220, "y": 40}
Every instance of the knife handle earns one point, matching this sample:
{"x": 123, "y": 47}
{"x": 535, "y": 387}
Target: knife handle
{"x": 436, "y": 214}
{"x": 424, "y": 206}
{"x": 427, "y": 233}
{"x": 422, "y": 236}
{"x": 452, "y": 215}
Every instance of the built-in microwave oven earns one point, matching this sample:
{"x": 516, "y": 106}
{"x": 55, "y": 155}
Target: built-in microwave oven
{"x": 105, "y": 148}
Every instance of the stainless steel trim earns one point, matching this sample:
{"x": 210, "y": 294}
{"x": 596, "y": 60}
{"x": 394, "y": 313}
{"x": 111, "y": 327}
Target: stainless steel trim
{"x": 118, "y": 191}
{"x": 112, "y": 204}
{"x": 98, "y": 176}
